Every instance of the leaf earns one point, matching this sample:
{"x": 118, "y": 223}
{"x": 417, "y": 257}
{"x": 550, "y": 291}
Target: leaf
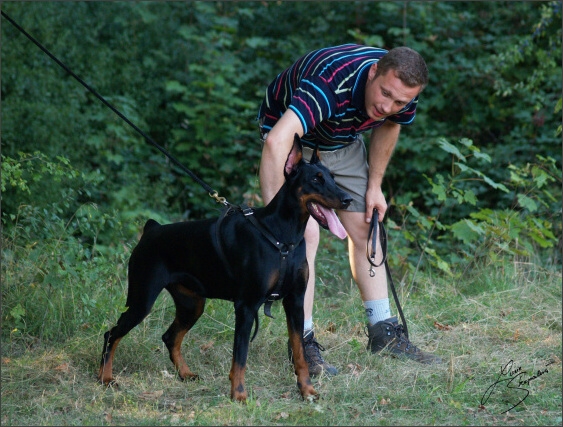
{"x": 449, "y": 148}
{"x": 17, "y": 312}
{"x": 413, "y": 211}
{"x": 483, "y": 156}
{"x": 175, "y": 87}
{"x": 468, "y": 143}
{"x": 495, "y": 185}
{"x": 541, "y": 177}
{"x": 465, "y": 168}
{"x": 441, "y": 326}
{"x": 470, "y": 197}
{"x": 438, "y": 187}
{"x": 108, "y": 417}
{"x": 527, "y": 202}
{"x": 63, "y": 368}
{"x": 467, "y": 230}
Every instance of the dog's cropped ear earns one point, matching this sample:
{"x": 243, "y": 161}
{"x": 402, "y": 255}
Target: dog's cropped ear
{"x": 316, "y": 157}
{"x": 294, "y": 157}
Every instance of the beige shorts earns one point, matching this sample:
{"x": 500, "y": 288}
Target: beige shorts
{"x": 350, "y": 168}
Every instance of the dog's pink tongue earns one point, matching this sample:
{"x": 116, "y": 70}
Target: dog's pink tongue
{"x": 334, "y": 224}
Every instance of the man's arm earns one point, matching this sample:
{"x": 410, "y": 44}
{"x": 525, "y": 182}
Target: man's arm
{"x": 274, "y": 154}
{"x": 382, "y": 143}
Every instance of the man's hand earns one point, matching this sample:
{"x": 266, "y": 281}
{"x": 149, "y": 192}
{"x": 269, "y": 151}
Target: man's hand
{"x": 375, "y": 200}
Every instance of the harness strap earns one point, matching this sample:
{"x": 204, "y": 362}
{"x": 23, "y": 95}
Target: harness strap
{"x": 372, "y": 238}
{"x": 284, "y": 248}
{"x": 219, "y": 245}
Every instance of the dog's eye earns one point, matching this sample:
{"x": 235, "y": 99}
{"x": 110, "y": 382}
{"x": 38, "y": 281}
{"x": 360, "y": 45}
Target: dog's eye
{"x": 318, "y": 179}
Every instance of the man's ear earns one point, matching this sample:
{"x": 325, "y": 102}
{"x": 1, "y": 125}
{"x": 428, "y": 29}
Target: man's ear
{"x": 372, "y": 71}
{"x": 294, "y": 157}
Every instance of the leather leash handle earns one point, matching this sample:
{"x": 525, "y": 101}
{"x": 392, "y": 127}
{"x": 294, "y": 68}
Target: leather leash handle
{"x": 372, "y": 237}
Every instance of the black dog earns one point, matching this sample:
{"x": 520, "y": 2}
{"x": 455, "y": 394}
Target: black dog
{"x": 250, "y": 257}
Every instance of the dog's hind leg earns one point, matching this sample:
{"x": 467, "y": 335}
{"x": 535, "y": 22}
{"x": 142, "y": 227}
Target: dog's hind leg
{"x": 189, "y": 308}
{"x": 294, "y": 316}
{"x": 139, "y": 305}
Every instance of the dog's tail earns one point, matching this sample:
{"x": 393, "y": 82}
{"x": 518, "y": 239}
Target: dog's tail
{"x": 256, "y": 326}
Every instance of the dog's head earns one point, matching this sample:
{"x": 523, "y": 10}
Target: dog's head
{"x": 318, "y": 192}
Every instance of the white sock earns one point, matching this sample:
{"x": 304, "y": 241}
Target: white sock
{"x": 308, "y": 326}
{"x": 377, "y": 310}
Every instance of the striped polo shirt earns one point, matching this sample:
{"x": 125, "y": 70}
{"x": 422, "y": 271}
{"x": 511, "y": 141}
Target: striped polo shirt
{"x": 326, "y": 89}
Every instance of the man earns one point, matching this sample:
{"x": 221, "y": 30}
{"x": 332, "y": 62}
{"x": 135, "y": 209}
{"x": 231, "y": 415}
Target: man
{"x": 330, "y": 97}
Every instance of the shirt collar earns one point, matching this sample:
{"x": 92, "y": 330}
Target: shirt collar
{"x": 359, "y": 90}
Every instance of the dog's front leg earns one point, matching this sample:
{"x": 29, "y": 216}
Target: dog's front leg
{"x": 244, "y": 318}
{"x": 293, "y": 305}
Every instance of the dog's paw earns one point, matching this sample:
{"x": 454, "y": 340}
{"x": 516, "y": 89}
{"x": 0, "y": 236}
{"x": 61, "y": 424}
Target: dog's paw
{"x": 309, "y": 394}
{"x": 240, "y": 397}
{"x": 192, "y": 377}
{"x": 312, "y": 398}
{"x": 111, "y": 383}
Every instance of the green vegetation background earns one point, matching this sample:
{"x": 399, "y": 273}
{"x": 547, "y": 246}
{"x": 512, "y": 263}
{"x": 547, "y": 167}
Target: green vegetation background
{"x": 474, "y": 185}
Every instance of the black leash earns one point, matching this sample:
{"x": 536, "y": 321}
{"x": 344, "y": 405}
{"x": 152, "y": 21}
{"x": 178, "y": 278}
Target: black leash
{"x": 210, "y": 190}
{"x": 372, "y": 238}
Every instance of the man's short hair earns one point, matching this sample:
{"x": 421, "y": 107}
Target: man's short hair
{"x": 407, "y": 63}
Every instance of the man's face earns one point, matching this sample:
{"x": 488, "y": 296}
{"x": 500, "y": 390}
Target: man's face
{"x": 387, "y": 94}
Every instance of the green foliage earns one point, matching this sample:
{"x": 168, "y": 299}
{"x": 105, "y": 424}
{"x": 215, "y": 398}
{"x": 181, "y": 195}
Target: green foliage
{"x": 16, "y": 174}
{"x": 474, "y": 189}
{"x": 192, "y": 75}
{"x": 533, "y": 224}
{"x": 526, "y": 229}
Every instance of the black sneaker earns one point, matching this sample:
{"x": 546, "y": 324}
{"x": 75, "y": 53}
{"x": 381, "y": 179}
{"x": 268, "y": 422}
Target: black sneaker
{"x": 388, "y": 334}
{"x": 313, "y": 357}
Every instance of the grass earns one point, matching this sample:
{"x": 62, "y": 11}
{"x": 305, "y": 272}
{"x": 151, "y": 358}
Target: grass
{"x": 499, "y": 312}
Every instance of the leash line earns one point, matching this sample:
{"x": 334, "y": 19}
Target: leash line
{"x": 211, "y": 191}
{"x": 372, "y": 236}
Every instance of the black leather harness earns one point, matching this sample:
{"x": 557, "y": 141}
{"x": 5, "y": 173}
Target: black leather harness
{"x": 284, "y": 248}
